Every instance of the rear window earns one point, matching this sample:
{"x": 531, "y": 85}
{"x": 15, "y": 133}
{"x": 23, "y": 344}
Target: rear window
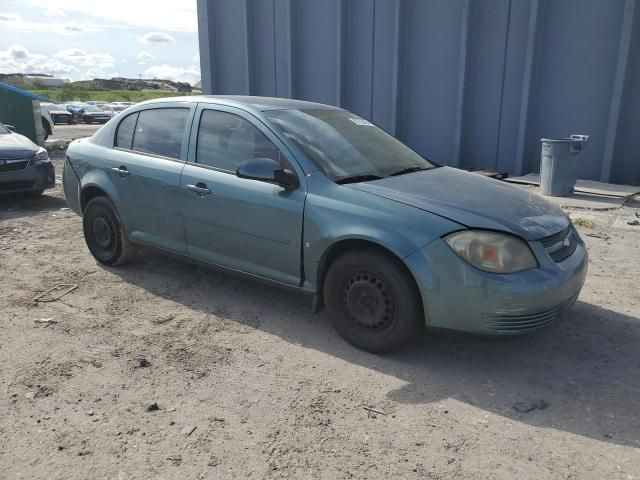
{"x": 159, "y": 131}
{"x": 124, "y": 135}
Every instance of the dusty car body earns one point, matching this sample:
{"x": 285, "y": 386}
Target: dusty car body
{"x": 83, "y": 112}
{"x": 319, "y": 200}
{"x": 24, "y": 166}
{"x": 58, "y": 113}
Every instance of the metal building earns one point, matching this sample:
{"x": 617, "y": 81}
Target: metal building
{"x": 473, "y": 83}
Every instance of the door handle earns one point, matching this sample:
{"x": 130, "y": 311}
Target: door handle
{"x": 121, "y": 170}
{"x": 200, "y": 188}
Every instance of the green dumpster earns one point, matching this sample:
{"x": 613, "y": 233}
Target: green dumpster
{"x": 21, "y": 109}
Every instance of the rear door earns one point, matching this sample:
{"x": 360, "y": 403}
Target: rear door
{"x": 246, "y": 225}
{"x": 149, "y": 154}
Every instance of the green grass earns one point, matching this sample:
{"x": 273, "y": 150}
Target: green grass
{"x": 60, "y": 95}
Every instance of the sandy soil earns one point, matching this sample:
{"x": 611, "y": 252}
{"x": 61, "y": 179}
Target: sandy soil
{"x": 250, "y": 384}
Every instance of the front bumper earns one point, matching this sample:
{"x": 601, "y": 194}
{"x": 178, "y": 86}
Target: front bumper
{"x": 39, "y": 175}
{"x": 458, "y": 296}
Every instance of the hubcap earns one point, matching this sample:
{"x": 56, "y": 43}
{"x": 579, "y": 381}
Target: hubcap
{"x": 104, "y": 235}
{"x": 101, "y": 232}
{"x": 369, "y": 302}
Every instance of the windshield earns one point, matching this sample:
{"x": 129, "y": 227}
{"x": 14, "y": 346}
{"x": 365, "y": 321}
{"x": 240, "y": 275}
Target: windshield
{"x": 344, "y": 145}
{"x": 4, "y": 129}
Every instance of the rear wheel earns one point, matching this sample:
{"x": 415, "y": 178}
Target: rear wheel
{"x": 372, "y": 300}
{"x": 104, "y": 234}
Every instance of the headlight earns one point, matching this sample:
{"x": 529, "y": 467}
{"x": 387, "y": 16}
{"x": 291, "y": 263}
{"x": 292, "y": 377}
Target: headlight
{"x": 41, "y": 154}
{"x": 491, "y": 251}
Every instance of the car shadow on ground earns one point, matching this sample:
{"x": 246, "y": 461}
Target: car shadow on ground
{"x": 19, "y": 205}
{"x": 586, "y": 367}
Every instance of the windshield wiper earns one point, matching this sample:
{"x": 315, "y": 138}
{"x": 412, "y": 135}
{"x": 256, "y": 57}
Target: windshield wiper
{"x": 408, "y": 170}
{"x": 358, "y": 178}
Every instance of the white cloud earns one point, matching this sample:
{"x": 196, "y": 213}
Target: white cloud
{"x": 80, "y": 57}
{"x": 167, "y": 72}
{"x": 156, "y": 38}
{"x": 18, "y": 52}
{"x": 98, "y": 73}
{"x": 161, "y": 14}
{"x": 9, "y": 17}
{"x": 16, "y": 22}
{"x": 17, "y": 59}
{"x": 145, "y": 56}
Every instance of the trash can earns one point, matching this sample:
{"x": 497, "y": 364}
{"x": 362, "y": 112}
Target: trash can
{"x": 559, "y": 164}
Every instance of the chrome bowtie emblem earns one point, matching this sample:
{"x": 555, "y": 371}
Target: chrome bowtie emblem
{"x": 567, "y": 241}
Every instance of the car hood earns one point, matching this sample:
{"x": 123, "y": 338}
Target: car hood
{"x": 14, "y": 145}
{"x": 472, "y": 200}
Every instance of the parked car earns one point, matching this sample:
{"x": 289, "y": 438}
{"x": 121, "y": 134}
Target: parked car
{"x": 319, "y": 200}
{"x": 110, "y": 110}
{"x": 24, "y": 166}
{"x": 58, "y": 113}
{"x": 117, "y": 108}
{"x": 88, "y": 113}
{"x": 96, "y": 103}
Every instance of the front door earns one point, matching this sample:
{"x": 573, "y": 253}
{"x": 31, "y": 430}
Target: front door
{"x": 246, "y": 225}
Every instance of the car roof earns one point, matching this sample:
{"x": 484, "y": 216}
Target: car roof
{"x": 259, "y": 103}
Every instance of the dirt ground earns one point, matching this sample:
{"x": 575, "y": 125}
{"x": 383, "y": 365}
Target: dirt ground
{"x": 249, "y": 384}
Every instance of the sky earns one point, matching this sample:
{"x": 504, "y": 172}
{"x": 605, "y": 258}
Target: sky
{"x": 86, "y": 39}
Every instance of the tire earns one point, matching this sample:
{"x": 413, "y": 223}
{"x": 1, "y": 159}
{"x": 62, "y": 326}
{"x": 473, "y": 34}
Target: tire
{"x": 372, "y": 301}
{"x": 103, "y": 232}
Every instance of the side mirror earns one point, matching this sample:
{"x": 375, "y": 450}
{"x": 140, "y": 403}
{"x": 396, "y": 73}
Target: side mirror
{"x": 267, "y": 170}
{"x": 10, "y": 127}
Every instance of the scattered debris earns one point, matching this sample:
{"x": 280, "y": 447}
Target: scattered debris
{"x": 175, "y": 459}
{"x": 603, "y": 236}
{"x": 633, "y": 222}
{"x": 143, "y": 363}
{"x": 60, "y": 290}
{"x": 374, "y": 411}
{"x": 584, "y": 222}
{"x": 188, "y": 430}
{"x": 46, "y": 321}
{"x": 32, "y": 395}
{"x": 525, "y": 407}
{"x": 91, "y": 413}
{"x": 213, "y": 461}
{"x": 172, "y": 409}
{"x": 153, "y": 407}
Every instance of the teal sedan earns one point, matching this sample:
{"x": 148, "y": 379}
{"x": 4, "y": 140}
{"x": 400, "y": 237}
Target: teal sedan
{"x": 321, "y": 201}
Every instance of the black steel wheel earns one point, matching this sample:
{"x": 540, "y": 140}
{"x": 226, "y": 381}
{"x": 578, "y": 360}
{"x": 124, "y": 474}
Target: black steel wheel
{"x": 372, "y": 300}
{"x": 103, "y": 233}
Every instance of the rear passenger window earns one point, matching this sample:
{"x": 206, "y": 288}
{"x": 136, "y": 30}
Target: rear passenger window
{"x": 225, "y": 141}
{"x": 124, "y": 137}
{"x": 160, "y": 131}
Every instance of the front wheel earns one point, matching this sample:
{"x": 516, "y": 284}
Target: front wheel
{"x": 104, "y": 234}
{"x": 372, "y": 300}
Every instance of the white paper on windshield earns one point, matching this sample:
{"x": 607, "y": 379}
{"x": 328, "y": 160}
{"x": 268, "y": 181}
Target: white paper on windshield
{"x": 361, "y": 121}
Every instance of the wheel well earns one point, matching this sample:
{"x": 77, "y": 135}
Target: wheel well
{"x": 340, "y": 248}
{"x": 88, "y": 194}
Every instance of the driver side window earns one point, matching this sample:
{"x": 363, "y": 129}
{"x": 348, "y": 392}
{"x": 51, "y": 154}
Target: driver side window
{"x": 225, "y": 141}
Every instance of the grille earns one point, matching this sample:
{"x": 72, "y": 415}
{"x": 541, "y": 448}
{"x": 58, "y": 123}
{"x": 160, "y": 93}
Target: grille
{"x": 13, "y": 165}
{"x": 522, "y": 323}
{"x": 24, "y": 185}
{"x": 561, "y": 245}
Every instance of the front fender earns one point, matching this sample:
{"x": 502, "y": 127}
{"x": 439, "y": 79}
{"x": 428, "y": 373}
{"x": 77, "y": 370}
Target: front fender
{"x": 335, "y": 213}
